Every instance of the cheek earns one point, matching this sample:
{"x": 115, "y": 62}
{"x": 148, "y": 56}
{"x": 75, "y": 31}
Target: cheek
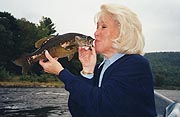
{"x": 99, "y": 45}
{"x": 103, "y": 42}
{"x": 102, "y": 45}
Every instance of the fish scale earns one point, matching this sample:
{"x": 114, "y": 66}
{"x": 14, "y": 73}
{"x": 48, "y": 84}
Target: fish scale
{"x": 59, "y": 46}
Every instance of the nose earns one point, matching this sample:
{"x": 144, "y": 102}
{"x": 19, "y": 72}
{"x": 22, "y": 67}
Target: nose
{"x": 96, "y": 33}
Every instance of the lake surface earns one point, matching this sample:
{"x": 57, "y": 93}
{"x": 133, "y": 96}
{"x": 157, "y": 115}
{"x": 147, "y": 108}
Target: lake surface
{"x": 31, "y": 102}
{"x": 44, "y": 102}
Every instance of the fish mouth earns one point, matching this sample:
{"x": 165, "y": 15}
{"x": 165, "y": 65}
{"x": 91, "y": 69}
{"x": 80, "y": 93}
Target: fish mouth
{"x": 84, "y": 42}
{"x": 88, "y": 45}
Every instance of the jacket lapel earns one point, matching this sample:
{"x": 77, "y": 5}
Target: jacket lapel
{"x": 109, "y": 70}
{"x": 97, "y": 74}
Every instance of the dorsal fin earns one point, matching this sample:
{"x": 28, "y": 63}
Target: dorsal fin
{"x": 43, "y": 40}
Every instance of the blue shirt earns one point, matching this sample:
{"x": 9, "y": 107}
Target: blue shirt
{"x": 107, "y": 63}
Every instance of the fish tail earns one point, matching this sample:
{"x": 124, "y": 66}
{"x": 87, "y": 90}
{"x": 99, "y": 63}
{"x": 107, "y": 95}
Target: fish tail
{"x": 25, "y": 62}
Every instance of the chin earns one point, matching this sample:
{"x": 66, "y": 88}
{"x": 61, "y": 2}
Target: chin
{"x": 98, "y": 50}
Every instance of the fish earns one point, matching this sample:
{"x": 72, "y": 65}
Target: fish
{"x": 60, "y": 46}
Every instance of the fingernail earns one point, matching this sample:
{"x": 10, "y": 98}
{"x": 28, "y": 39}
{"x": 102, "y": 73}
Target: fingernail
{"x": 46, "y": 52}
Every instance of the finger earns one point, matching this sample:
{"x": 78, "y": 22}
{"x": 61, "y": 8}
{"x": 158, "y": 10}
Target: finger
{"x": 41, "y": 62}
{"x": 56, "y": 58}
{"x": 93, "y": 51}
{"x": 48, "y": 56}
{"x": 81, "y": 49}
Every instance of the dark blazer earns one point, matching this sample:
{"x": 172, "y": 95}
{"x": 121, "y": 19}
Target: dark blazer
{"x": 126, "y": 90}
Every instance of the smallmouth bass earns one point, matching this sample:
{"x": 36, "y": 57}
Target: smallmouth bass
{"x": 65, "y": 45}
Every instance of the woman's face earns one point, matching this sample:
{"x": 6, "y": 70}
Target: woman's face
{"x": 107, "y": 30}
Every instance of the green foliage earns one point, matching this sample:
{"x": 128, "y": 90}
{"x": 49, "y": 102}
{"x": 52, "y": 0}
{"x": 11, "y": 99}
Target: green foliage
{"x": 7, "y": 24}
{"x": 35, "y": 78}
{"x": 4, "y": 74}
{"x": 165, "y": 68}
{"x": 46, "y": 26}
{"x": 47, "y": 78}
{"x": 17, "y": 37}
{"x": 27, "y": 78}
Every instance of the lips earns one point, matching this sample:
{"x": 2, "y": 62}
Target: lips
{"x": 96, "y": 43}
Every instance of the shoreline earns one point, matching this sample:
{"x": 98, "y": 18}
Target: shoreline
{"x": 57, "y": 85}
{"x": 32, "y": 84}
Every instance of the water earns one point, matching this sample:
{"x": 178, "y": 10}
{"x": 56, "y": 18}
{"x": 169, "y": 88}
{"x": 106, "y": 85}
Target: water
{"x": 48, "y": 102}
{"x": 33, "y": 102}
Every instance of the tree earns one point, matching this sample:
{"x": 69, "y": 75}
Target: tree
{"x": 7, "y": 37}
{"x": 17, "y": 37}
{"x": 46, "y": 26}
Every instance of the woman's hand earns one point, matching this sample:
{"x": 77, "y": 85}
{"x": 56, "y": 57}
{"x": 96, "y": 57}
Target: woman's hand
{"x": 52, "y": 65}
{"x": 88, "y": 59}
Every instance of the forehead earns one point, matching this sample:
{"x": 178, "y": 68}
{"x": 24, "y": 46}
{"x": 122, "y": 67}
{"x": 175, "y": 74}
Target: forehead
{"x": 106, "y": 18}
{"x": 103, "y": 17}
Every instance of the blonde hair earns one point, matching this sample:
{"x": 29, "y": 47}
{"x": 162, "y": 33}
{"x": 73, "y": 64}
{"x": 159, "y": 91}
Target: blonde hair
{"x": 131, "y": 39}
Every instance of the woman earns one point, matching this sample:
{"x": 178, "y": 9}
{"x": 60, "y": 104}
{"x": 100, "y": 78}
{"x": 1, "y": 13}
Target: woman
{"x": 122, "y": 85}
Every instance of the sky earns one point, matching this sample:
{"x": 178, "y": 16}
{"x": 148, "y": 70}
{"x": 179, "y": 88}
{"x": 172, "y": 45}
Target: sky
{"x": 160, "y": 18}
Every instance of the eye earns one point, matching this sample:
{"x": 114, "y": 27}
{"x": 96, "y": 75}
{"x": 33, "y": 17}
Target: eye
{"x": 101, "y": 26}
{"x": 104, "y": 26}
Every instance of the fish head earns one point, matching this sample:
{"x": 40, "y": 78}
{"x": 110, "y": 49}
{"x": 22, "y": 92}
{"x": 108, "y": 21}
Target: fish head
{"x": 84, "y": 41}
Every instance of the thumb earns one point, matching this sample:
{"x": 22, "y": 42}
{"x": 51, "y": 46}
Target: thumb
{"x": 41, "y": 62}
{"x": 93, "y": 50}
{"x": 48, "y": 56}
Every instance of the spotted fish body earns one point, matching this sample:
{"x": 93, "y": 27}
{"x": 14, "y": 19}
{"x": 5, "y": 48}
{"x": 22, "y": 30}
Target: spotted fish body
{"x": 59, "y": 46}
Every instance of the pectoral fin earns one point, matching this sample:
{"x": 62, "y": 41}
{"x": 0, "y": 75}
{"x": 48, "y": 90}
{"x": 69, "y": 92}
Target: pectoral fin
{"x": 70, "y": 57}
